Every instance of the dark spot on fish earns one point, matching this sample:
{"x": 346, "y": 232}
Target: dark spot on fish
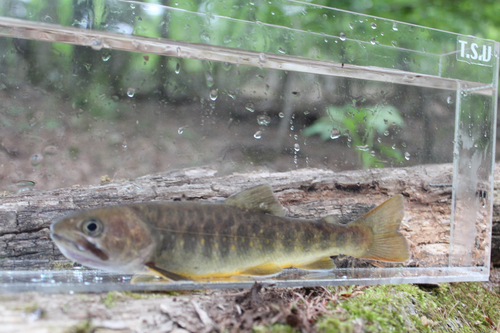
{"x": 190, "y": 243}
{"x": 227, "y": 224}
{"x": 324, "y": 235}
{"x": 307, "y": 237}
{"x": 255, "y": 228}
{"x": 167, "y": 243}
{"x": 225, "y": 244}
{"x": 289, "y": 237}
{"x": 340, "y": 238}
{"x": 209, "y": 226}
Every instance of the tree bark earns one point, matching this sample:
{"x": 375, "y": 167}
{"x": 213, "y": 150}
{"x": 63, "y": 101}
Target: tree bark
{"x": 25, "y": 217}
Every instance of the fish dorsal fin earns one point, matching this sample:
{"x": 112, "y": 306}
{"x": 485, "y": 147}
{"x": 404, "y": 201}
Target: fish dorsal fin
{"x": 259, "y": 198}
{"x": 330, "y": 219}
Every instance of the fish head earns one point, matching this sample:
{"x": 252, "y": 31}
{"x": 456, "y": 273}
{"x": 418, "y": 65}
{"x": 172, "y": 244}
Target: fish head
{"x": 112, "y": 238}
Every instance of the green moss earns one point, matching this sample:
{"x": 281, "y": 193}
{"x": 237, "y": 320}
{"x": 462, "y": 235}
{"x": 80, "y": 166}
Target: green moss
{"x": 113, "y": 297}
{"x": 82, "y": 327}
{"x": 469, "y": 307}
{"x": 27, "y": 308}
{"x": 110, "y": 299}
{"x": 61, "y": 266}
{"x": 276, "y": 328}
{"x": 464, "y": 307}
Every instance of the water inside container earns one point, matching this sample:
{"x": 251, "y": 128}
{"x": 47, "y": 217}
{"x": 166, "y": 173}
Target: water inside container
{"x": 87, "y": 103}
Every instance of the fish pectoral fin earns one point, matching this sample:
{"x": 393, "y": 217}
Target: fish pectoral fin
{"x": 264, "y": 269}
{"x": 166, "y": 274}
{"x": 260, "y": 198}
{"x": 148, "y": 277}
{"x": 322, "y": 263}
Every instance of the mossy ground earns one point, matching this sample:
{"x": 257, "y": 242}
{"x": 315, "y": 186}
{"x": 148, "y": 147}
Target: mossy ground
{"x": 447, "y": 307}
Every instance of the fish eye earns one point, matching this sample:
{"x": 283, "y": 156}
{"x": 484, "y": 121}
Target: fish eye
{"x": 92, "y": 227}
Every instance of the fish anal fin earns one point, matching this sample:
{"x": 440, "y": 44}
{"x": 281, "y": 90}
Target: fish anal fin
{"x": 264, "y": 269}
{"x": 260, "y": 198}
{"x": 166, "y": 274}
{"x": 330, "y": 219}
{"x": 321, "y": 263}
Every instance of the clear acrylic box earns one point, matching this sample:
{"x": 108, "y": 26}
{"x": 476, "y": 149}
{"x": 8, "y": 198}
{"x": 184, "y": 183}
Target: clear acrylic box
{"x": 124, "y": 88}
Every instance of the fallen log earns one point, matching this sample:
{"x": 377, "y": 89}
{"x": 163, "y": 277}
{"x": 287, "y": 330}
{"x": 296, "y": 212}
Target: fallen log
{"x": 25, "y": 217}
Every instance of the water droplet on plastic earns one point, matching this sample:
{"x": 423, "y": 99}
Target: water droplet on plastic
{"x": 395, "y": 26}
{"x": 231, "y": 94}
{"x": 96, "y": 44}
{"x": 335, "y": 134}
{"x": 281, "y": 50}
{"x": 250, "y": 107}
{"x": 181, "y": 129}
{"x": 130, "y": 92}
{"x": 179, "y": 51}
{"x": 209, "y": 80}
{"x": 372, "y": 153}
{"x": 403, "y": 144}
{"x": 263, "y": 120}
{"x": 351, "y": 25}
{"x": 374, "y": 25}
{"x": 393, "y": 146}
{"x": 214, "y": 94}
{"x": 407, "y": 156}
{"x": 373, "y": 41}
{"x": 226, "y": 39}
{"x": 124, "y": 144}
{"x": 296, "y": 137}
{"x": 262, "y": 58}
{"x": 296, "y": 147}
{"x": 281, "y": 115}
{"x": 449, "y": 100}
{"x": 342, "y": 36}
{"x": 363, "y": 148}
{"x": 258, "y": 135}
{"x": 36, "y": 160}
{"x": 177, "y": 68}
{"x": 50, "y": 150}
{"x": 226, "y": 66}
{"x": 394, "y": 43}
{"x": 106, "y": 57}
{"x": 386, "y": 133}
{"x": 205, "y": 37}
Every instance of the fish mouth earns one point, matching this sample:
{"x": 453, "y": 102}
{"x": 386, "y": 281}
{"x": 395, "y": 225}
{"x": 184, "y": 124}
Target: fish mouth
{"x": 81, "y": 245}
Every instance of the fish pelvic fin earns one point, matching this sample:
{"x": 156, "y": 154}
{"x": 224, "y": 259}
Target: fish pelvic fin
{"x": 166, "y": 274}
{"x": 260, "y": 198}
{"x": 321, "y": 263}
{"x": 388, "y": 244}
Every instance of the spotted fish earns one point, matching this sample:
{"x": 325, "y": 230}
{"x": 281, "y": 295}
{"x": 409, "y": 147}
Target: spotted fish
{"x": 247, "y": 234}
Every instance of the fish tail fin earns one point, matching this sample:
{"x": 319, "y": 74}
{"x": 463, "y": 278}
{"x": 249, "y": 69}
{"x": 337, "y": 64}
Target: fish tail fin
{"x": 387, "y": 244}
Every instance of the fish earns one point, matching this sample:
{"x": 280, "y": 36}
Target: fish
{"x": 248, "y": 234}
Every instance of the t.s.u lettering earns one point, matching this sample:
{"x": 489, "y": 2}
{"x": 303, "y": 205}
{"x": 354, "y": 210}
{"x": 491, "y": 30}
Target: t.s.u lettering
{"x": 478, "y": 52}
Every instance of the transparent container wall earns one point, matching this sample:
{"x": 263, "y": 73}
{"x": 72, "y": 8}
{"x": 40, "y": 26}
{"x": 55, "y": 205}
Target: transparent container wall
{"x": 126, "y": 89}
